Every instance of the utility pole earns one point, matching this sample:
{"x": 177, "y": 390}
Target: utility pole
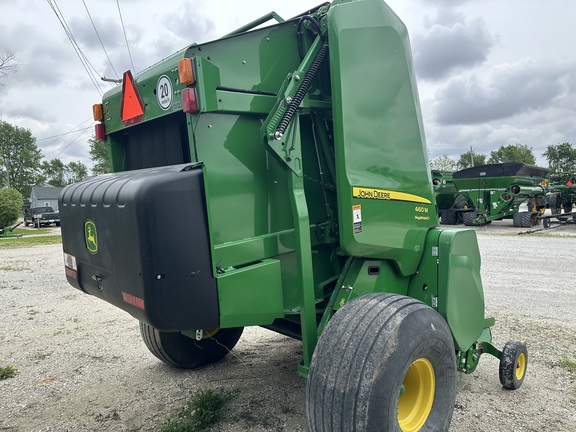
{"x": 471, "y": 156}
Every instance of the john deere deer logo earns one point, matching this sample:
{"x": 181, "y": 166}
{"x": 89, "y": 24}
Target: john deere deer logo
{"x": 91, "y": 237}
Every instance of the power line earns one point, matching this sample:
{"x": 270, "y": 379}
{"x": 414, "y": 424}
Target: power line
{"x": 55, "y": 137}
{"x": 65, "y": 133}
{"x": 125, "y": 37}
{"x": 82, "y": 132}
{"x": 77, "y": 49}
{"x": 98, "y": 34}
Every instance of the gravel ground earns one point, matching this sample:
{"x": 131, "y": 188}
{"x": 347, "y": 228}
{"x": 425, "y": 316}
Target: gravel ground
{"x": 82, "y": 365}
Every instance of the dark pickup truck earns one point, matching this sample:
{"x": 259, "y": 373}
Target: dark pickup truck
{"x": 42, "y": 216}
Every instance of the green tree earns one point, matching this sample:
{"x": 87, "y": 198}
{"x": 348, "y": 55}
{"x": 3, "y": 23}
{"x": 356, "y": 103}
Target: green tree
{"x": 56, "y": 174}
{"x": 75, "y": 172}
{"x": 470, "y": 159}
{"x": 19, "y": 158}
{"x": 10, "y": 206}
{"x": 100, "y": 156}
{"x": 513, "y": 153}
{"x": 561, "y": 157}
{"x": 443, "y": 163}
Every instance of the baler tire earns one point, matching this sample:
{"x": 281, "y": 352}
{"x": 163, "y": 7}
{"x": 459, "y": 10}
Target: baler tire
{"x": 178, "y": 350}
{"x": 567, "y": 206}
{"x": 468, "y": 217}
{"x": 522, "y": 219}
{"x": 374, "y": 348}
{"x": 448, "y": 217}
{"x": 513, "y": 365}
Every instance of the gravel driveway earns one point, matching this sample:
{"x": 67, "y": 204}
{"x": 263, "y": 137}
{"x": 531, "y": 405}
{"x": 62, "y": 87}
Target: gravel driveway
{"x": 82, "y": 365}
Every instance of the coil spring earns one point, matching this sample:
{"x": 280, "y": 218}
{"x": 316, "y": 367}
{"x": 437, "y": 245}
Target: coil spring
{"x": 302, "y": 90}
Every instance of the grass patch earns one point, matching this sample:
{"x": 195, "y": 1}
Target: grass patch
{"x": 39, "y": 356}
{"x": 203, "y": 409}
{"x": 8, "y": 372}
{"x": 571, "y": 365}
{"x": 30, "y": 232}
{"x": 30, "y": 241}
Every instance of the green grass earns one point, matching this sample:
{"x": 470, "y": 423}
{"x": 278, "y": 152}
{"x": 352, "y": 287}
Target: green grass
{"x": 8, "y": 372}
{"x": 203, "y": 409}
{"x": 30, "y": 240}
{"x": 571, "y": 365}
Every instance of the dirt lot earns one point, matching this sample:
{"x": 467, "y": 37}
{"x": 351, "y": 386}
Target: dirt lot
{"x": 82, "y": 365}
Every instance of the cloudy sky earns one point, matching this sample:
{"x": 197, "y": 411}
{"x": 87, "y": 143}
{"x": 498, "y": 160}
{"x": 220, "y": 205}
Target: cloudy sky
{"x": 490, "y": 72}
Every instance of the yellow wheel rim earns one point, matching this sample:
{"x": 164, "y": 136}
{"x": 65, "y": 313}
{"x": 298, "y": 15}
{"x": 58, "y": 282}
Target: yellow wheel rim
{"x": 520, "y": 366}
{"x": 415, "y": 403}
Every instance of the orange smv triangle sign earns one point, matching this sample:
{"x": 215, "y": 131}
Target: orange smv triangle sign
{"x": 131, "y": 107}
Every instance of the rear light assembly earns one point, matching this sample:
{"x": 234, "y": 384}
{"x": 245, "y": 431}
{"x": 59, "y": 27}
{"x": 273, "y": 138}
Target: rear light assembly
{"x": 190, "y": 100}
{"x": 99, "y": 132}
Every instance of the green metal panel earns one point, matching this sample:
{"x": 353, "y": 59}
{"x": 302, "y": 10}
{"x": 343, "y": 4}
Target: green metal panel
{"x": 251, "y": 295}
{"x": 460, "y": 294}
{"x": 378, "y": 136}
{"x": 366, "y": 276}
{"x": 424, "y": 284}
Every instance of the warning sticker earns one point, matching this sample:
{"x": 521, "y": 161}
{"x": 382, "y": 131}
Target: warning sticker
{"x": 357, "y": 218}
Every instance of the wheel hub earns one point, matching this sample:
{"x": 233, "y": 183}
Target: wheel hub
{"x": 415, "y": 402}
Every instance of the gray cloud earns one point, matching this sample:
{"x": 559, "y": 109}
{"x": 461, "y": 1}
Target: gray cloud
{"x": 28, "y": 111}
{"x": 451, "y": 43}
{"x": 505, "y": 91}
{"x": 110, "y": 32}
{"x": 190, "y": 25}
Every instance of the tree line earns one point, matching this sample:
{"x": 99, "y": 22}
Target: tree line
{"x": 21, "y": 164}
{"x": 561, "y": 158}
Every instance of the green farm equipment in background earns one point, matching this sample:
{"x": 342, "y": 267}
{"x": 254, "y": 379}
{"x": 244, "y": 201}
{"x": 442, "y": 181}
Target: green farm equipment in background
{"x": 449, "y": 202}
{"x": 293, "y": 159}
{"x": 562, "y": 190}
{"x": 7, "y": 231}
{"x": 496, "y": 191}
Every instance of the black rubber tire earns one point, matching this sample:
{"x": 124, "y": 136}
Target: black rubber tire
{"x": 362, "y": 358}
{"x": 513, "y": 365}
{"x": 554, "y": 203}
{"x": 468, "y": 217}
{"x": 448, "y": 217}
{"x": 567, "y": 207}
{"x": 546, "y": 222}
{"x": 178, "y": 350}
{"x": 522, "y": 219}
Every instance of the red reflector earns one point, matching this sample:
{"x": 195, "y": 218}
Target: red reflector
{"x": 133, "y": 300}
{"x": 99, "y": 132}
{"x": 132, "y": 107}
{"x": 71, "y": 273}
{"x": 190, "y": 100}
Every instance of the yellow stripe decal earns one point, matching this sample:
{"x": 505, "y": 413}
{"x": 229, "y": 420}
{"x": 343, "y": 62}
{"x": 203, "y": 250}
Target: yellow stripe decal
{"x": 381, "y": 194}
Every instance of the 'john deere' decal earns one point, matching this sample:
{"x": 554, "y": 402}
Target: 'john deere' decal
{"x": 91, "y": 236}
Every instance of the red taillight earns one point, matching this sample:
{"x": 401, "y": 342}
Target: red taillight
{"x": 190, "y": 101}
{"x": 99, "y": 132}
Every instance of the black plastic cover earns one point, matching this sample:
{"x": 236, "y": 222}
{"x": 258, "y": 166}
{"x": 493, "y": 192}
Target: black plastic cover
{"x": 140, "y": 239}
{"x": 506, "y": 169}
